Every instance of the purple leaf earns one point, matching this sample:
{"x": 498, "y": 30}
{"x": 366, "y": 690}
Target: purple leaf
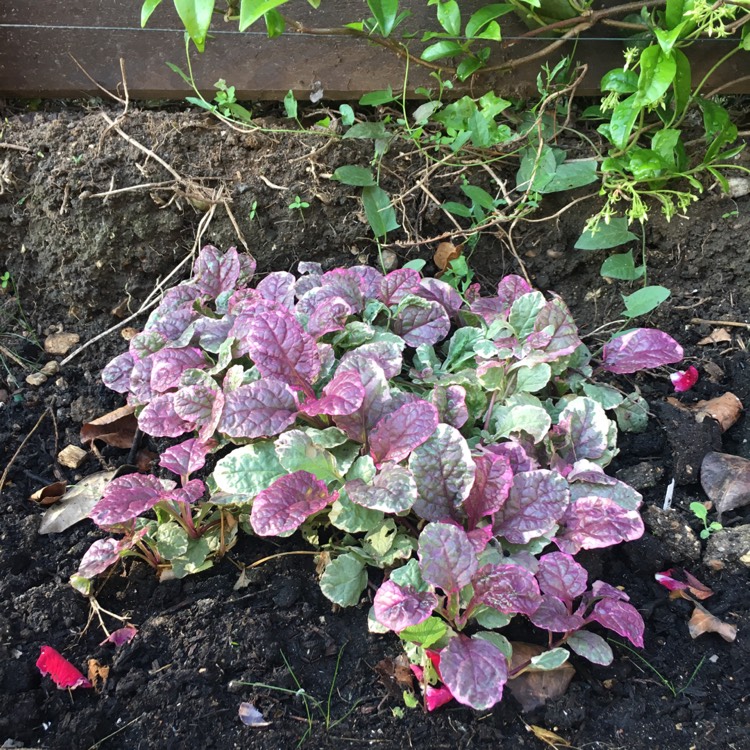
{"x": 602, "y": 590}
{"x": 127, "y": 497}
{"x": 387, "y": 354}
{"x": 101, "y": 555}
{"x": 215, "y": 272}
{"x": 561, "y": 576}
{"x": 397, "y": 284}
{"x": 169, "y": 364}
{"x": 140, "y": 380}
{"x": 446, "y": 556}
{"x": 444, "y": 471}
{"x": 178, "y": 297}
{"x": 369, "y": 280}
{"x": 171, "y": 327}
{"x": 537, "y": 500}
{"x": 393, "y": 490}
{"x": 510, "y": 589}
{"x": 474, "y": 671}
{"x": 422, "y": 321}
{"x": 278, "y": 287}
{"x": 586, "y": 424}
{"x": 590, "y": 646}
{"x": 213, "y": 332}
{"x": 621, "y": 617}
{"x": 358, "y": 423}
{"x": 328, "y": 316}
{"x": 398, "y": 607}
{"x": 450, "y": 401}
{"x": 187, "y": 457}
{"x": 594, "y": 522}
{"x": 347, "y": 284}
{"x": 342, "y": 396}
{"x": 397, "y": 434}
{"x": 492, "y": 483}
{"x": 554, "y": 320}
{"x": 159, "y": 418}
{"x": 247, "y": 267}
{"x": 286, "y": 504}
{"x": 480, "y": 537}
{"x": 260, "y": 409}
{"x": 609, "y": 487}
{"x": 282, "y": 349}
{"x": 552, "y": 614}
{"x": 310, "y": 276}
{"x": 640, "y": 349}
{"x": 188, "y": 494}
{"x": 121, "y": 636}
{"x": 116, "y": 375}
{"x": 519, "y": 460}
{"x": 146, "y": 343}
{"x": 200, "y": 405}
{"x": 510, "y": 288}
{"x": 438, "y": 291}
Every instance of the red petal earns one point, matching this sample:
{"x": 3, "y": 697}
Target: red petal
{"x": 436, "y": 697}
{"x": 62, "y": 672}
{"x": 684, "y": 380}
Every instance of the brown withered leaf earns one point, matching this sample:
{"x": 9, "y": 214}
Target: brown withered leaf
{"x": 75, "y": 504}
{"x": 703, "y": 621}
{"x": 725, "y": 409}
{"x": 395, "y": 674}
{"x": 726, "y": 481}
{"x": 445, "y": 253}
{"x": 533, "y": 687}
{"x": 717, "y": 336}
{"x": 98, "y": 674}
{"x": 548, "y": 737}
{"x": 50, "y": 494}
{"x": 117, "y": 428}
{"x": 144, "y": 460}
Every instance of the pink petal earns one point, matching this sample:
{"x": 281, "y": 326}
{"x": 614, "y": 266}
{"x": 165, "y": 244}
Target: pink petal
{"x": 435, "y": 697}
{"x": 62, "y": 672}
{"x": 121, "y": 636}
{"x": 684, "y": 380}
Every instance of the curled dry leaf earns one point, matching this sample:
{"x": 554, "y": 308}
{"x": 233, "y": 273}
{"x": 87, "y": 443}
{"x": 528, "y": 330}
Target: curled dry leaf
{"x": 117, "y": 428}
{"x": 534, "y": 687}
{"x": 50, "y": 494}
{"x": 717, "y": 336}
{"x": 445, "y": 253}
{"x": 725, "y": 409}
{"x": 548, "y": 737}
{"x": 98, "y": 674}
{"x": 703, "y": 621}
{"x": 76, "y": 503}
{"x": 726, "y": 481}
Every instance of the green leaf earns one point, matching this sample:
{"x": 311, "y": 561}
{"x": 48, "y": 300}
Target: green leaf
{"x": 457, "y": 209}
{"x": 374, "y": 98}
{"x": 644, "y": 300}
{"x": 605, "y": 395}
{"x": 467, "y": 67}
{"x": 683, "y": 82}
{"x": 667, "y": 144}
{"x": 623, "y": 118}
{"x": 449, "y": 17}
{"x": 296, "y": 451}
{"x": 354, "y": 175}
{"x": 353, "y": 518}
{"x": 439, "y": 50}
{"x": 699, "y": 510}
{"x": 622, "y": 267}
{"x": 427, "y": 633}
{"x": 620, "y": 81}
{"x": 249, "y": 469}
{"x": 374, "y": 130}
{"x": 171, "y": 540}
{"x": 570, "y": 175}
{"x": 252, "y": 10}
{"x": 632, "y": 413}
{"x": 194, "y": 560}
{"x": 509, "y": 420}
{"x": 275, "y": 24}
{"x": 552, "y": 659}
{"x": 675, "y": 13}
{"x": 416, "y": 265}
{"x": 290, "y": 105}
{"x": 656, "y": 75}
{"x": 667, "y": 39}
{"x": 532, "y": 379}
{"x": 379, "y": 211}
{"x": 490, "y": 618}
{"x": 196, "y": 18}
{"x": 344, "y": 580}
{"x": 347, "y": 115}
{"x": 479, "y": 20}
{"x": 499, "y": 641}
{"x": 148, "y": 7}
{"x": 645, "y": 164}
{"x": 606, "y": 235}
{"x": 385, "y": 13}
{"x": 524, "y": 312}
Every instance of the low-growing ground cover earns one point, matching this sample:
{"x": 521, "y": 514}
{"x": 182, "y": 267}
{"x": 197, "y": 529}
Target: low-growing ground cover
{"x": 200, "y": 640}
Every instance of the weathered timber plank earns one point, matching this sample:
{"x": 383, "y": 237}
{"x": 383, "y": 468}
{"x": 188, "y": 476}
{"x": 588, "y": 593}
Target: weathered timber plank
{"x": 36, "y": 58}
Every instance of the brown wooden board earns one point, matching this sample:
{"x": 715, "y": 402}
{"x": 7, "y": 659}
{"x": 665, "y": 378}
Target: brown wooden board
{"x": 38, "y": 42}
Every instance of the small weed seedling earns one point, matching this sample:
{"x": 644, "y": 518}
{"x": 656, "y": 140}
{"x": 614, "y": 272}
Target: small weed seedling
{"x": 5, "y": 281}
{"x": 299, "y": 205}
{"x": 700, "y": 511}
{"x": 253, "y": 211}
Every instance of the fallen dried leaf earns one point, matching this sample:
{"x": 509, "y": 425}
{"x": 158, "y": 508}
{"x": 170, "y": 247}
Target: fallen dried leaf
{"x": 678, "y": 581}
{"x": 50, "y": 494}
{"x": 395, "y": 674}
{"x": 726, "y": 481}
{"x": 117, "y": 428}
{"x": 144, "y": 460}
{"x": 533, "y": 687}
{"x": 703, "y": 621}
{"x": 121, "y": 636}
{"x": 97, "y": 673}
{"x": 717, "y": 336}
{"x": 445, "y": 253}
{"x": 548, "y": 737}
{"x": 76, "y": 503}
{"x": 725, "y": 409}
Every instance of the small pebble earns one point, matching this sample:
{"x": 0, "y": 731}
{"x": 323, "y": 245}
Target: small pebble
{"x": 59, "y": 344}
{"x": 36, "y": 379}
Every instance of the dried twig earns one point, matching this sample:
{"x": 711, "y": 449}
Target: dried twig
{"x": 15, "y": 147}
{"x": 733, "y": 323}
{"x": 47, "y": 411}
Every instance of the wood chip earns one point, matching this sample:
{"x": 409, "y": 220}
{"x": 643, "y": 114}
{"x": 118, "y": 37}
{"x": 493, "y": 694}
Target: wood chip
{"x": 72, "y": 456}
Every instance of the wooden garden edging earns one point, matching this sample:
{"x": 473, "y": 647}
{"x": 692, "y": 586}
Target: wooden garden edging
{"x": 39, "y": 40}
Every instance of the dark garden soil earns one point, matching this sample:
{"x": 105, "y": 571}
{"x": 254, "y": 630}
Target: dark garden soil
{"x": 80, "y": 263}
